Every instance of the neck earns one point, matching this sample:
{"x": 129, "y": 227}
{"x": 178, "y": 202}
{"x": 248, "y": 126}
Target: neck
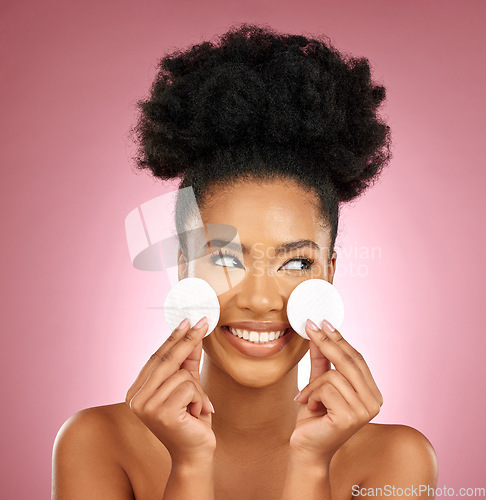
{"x": 252, "y": 418}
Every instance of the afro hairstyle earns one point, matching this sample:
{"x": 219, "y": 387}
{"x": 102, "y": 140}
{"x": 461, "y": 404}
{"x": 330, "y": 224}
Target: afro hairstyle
{"x": 255, "y": 103}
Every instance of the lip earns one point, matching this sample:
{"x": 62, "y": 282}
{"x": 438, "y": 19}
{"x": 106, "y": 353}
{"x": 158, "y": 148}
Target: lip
{"x": 258, "y": 350}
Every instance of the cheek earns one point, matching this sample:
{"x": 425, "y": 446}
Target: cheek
{"x": 302, "y": 345}
{"x": 317, "y": 271}
{"x": 287, "y": 282}
{"x": 221, "y": 279}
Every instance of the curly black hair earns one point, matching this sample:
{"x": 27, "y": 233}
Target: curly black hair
{"x": 259, "y": 104}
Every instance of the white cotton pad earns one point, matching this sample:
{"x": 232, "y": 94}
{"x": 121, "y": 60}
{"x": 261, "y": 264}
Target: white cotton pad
{"x": 316, "y": 299}
{"x": 192, "y": 298}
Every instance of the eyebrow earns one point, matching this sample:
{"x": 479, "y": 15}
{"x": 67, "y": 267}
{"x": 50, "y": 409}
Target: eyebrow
{"x": 282, "y": 248}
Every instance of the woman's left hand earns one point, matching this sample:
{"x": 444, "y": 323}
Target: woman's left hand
{"x": 337, "y": 402}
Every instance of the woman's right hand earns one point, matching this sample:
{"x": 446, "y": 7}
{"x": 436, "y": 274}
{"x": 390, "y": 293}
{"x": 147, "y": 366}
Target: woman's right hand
{"x": 168, "y": 398}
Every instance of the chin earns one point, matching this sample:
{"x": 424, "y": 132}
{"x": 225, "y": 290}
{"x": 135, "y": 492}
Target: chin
{"x": 259, "y": 376}
{"x": 255, "y": 372}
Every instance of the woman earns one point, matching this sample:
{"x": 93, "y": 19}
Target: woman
{"x": 272, "y": 132}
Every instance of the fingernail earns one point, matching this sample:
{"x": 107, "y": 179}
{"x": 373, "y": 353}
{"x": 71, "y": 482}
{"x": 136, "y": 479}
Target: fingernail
{"x": 298, "y": 394}
{"x": 311, "y": 325}
{"x": 183, "y": 324}
{"x": 212, "y": 407}
{"x": 327, "y": 326}
{"x": 201, "y": 323}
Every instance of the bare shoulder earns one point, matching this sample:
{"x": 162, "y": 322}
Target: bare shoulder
{"x": 391, "y": 452}
{"x": 84, "y": 459}
{"x": 398, "y": 441}
{"x": 104, "y": 423}
{"x": 106, "y": 442}
{"x": 88, "y": 426}
{"x": 92, "y": 418}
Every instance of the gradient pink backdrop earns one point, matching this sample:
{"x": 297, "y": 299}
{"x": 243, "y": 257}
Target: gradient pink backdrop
{"x": 76, "y": 322}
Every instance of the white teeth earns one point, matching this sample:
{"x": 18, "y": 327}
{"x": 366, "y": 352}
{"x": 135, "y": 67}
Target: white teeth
{"x": 255, "y": 337}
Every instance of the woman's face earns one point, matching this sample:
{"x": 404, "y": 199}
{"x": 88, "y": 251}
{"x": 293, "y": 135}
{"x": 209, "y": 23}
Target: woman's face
{"x": 278, "y": 241}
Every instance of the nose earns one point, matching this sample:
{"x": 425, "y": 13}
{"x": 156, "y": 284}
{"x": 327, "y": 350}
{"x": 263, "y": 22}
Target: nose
{"x": 260, "y": 293}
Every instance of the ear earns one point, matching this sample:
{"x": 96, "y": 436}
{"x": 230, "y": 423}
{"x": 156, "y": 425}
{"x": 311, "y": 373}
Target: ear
{"x": 332, "y": 267}
{"x": 181, "y": 264}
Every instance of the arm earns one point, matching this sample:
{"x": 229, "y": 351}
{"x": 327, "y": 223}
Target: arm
{"x": 191, "y": 479}
{"x": 169, "y": 400}
{"x": 307, "y": 479}
{"x": 333, "y": 407}
{"x": 401, "y": 464}
{"x": 83, "y": 465}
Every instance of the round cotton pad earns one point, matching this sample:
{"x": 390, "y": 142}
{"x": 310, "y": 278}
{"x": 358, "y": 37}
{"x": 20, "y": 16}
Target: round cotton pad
{"x": 316, "y": 299}
{"x": 192, "y": 298}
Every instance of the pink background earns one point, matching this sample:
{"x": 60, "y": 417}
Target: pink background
{"x": 76, "y": 319}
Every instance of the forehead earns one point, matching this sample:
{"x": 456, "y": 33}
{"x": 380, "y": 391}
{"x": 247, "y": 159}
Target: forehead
{"x": 268, "y": 212}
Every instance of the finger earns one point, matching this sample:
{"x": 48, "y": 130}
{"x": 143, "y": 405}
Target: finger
{"x": 207, "y": 406}
{"x": 337, "y": 337}
{"x": 346, "y": 364}
{"x": 365, "y": 410}
{"x": 330, "y": 377}
{"x": 193, "y": 361}
{"x": 144, "y": 403}
{"x": 174, "y": 380}
{"x": 169, "y": 342}
{"x": 319, "y": 363}
{"x": 328, "y": 396}
{"x": 167, "y": 405}
{"x": 172, "y": 360}
{"x": 169, "y": 385}
{"x": 185, "y": 396}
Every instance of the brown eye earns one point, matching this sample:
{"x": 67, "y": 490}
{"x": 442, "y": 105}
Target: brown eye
{"x": 300, "y": 264}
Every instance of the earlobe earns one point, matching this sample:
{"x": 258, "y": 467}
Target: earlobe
{"x": 332, "y": 266}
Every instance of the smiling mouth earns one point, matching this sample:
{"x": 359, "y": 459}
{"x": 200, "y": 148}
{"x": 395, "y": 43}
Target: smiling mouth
{"x": 257, "y": 337}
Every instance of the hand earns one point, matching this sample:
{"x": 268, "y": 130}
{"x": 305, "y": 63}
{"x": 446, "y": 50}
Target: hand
{"x": 339, "y": 402}
{"x": 168, "y": 398}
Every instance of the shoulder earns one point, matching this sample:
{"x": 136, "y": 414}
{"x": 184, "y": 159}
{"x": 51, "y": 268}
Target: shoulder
{"x": 110, "y": 449}
{"x": 399, "y": 441}
{"x": 96, "y": 422}
{"x": 114, "y": 426}
{"x": 397, "y": 452}
{"x": 85, "y": 457}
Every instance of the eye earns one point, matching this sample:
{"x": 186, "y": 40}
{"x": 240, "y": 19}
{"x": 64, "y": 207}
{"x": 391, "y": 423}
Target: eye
{"x": 298, "y": 264}
{"x": 225, "y": 259}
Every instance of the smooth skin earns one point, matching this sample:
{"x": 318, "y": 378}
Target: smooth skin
{"x": 164, "y": 442}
